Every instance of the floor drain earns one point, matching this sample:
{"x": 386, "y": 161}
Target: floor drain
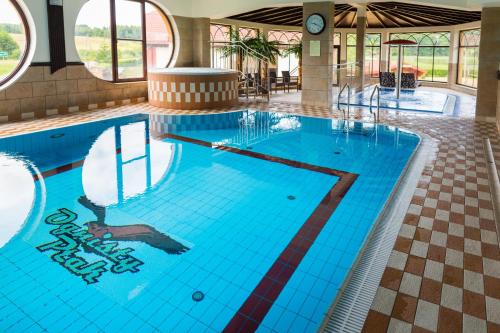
{"x": 198, "y": 296}
{"x": 337, "y": 153}
{"x": 291, "y": 197}
{"x": 249, "y": 147}
{"x": 57, "y": 136}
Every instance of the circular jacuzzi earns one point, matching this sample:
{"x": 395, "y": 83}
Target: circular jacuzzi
{"x": 193, "y": 88}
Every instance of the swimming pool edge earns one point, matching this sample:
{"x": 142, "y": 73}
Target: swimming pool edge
{"x": 349, "y": 309}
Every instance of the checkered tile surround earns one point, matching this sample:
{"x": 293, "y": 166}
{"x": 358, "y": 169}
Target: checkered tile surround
{"x": 444, "y": 271}
{"x": 189, "y": 95}
{"x": 75, "y": 108}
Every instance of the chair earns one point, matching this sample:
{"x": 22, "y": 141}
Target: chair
{"x": 274, "y": 81}
{"x": 387, "y": 79}
{"x": 289, "y": 81}
{"x": 408, "y": 81}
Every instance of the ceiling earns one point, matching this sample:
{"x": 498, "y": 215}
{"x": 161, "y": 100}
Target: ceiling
{"x": 379, "y": 15}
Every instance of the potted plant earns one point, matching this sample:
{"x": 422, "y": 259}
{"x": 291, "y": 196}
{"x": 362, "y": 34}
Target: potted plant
{"x": 260, "y": 44}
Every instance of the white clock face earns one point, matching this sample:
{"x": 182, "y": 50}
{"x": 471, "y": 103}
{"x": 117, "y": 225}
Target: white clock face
{"x": 315, "y": 24}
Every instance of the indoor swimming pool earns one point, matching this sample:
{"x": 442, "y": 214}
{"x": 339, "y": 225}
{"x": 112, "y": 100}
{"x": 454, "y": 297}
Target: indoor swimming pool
{"x": 420, "y": 99}
{"x": 238, "y": 221}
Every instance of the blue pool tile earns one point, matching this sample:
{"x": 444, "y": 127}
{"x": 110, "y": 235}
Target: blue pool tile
{"x": 231, "y": 211}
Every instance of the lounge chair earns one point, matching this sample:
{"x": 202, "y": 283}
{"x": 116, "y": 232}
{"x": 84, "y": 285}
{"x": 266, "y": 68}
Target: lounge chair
{"x": 387, "y": 80}
{"x": 408, "y": 81}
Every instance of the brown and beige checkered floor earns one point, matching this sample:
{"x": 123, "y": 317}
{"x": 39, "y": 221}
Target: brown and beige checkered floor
{"x": 444, "y": 272}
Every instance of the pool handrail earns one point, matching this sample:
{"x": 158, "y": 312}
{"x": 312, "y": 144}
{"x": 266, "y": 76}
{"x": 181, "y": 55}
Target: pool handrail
{"x": 376, "y": 116}
{"x": 348, "y": 86}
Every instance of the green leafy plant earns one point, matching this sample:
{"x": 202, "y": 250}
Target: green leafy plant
{"x": 260, "y": 45}
{"x": 9, "y": 45}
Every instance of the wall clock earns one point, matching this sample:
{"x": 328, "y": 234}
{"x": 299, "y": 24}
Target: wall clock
{"x": 315, "y": 24}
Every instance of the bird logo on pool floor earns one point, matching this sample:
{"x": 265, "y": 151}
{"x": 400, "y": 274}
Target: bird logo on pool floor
{"x": 135, "y": 232}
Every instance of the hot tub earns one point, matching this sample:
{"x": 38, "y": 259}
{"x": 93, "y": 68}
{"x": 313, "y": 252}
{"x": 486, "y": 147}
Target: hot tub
{"x": 192, "y": 88}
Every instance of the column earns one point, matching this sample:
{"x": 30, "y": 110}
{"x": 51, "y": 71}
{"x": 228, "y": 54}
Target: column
{"x": 384, "y": 52}
{"x": 489, "y": 59}
{"x": 201, "y": 42}
{"x": 453, "y": 60}
{"x": 360, "y": 45}
{"x": 317, "y": 70}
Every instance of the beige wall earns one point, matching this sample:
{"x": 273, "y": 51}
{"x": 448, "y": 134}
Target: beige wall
{"x": 489, "y": 59}
{"x": 38, "y": 94}
{"x": 194, "y": 42}
{"x": 498, "y": 106}
{"x": 317, "y": 74}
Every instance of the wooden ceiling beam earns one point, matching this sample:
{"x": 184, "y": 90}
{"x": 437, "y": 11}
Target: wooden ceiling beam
{"x": 385, "y": 14}
{"x": 344, "y": 14}
{"x": 376, "y": 15}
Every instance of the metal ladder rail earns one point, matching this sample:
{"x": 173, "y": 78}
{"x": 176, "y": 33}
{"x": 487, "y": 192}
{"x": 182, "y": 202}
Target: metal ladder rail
{"x": 348, "y": 86}
{"x": 257, "y": 86}
{"x": 376, "y": 116}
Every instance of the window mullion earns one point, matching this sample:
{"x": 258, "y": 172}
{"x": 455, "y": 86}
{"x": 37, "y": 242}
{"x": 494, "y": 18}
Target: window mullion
{"x": 144, "y": 49}
{"x": 114, "y": 41}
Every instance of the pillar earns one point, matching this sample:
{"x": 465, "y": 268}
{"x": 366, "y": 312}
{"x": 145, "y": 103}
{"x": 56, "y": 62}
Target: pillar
{"x": 384, "y": 51}
{"x": 489, "y": 59}
{"x": 360, "y": 45}
{"x": 453, "y": 61}
{"x": 317, "y": 70}
{"x": 201, "y": 42}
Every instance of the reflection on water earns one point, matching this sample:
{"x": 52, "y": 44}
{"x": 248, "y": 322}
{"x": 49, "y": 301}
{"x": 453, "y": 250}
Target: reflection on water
{"x": 109, "y": 178}
{"x": 17, "y": 194}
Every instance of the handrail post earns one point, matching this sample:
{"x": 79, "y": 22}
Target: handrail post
{"x": 348, "y": 101}
{"x": 376, "y": 115}
{"x": 348, "y": 86}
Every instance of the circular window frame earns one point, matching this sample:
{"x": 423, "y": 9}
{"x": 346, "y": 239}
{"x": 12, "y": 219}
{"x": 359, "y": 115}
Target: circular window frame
{"x": 170, "y": 25}
{"x": 114, "y": 40}
{"x": 27, "y": 32}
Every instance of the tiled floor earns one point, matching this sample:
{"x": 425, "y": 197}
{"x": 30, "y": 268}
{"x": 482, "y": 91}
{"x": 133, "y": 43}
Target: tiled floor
{"x": 444, "y": 271}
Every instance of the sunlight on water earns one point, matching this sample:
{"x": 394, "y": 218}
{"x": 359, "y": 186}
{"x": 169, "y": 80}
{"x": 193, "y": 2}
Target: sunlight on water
{"x": 17, "y": 192}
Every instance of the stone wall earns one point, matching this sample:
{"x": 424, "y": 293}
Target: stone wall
{"x": 489, "y": 58}
{"x": 38, "y": 94}
{"x": 194, "y": 42}
{"x": 498, "y": 106}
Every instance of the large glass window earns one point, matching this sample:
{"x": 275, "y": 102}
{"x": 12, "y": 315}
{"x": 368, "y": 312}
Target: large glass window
{"x": 468, "y": 57}
{"x": 220, "y": 36}
{"x": 249, "y": 64}
{"x": 247, "y": 33}
{"x": 14, "y": 42}
{"x": 287, "y": 40}
{"x": 119, "y": 39}
{"x": 429, "y": 59}
{"x": 372, "y": 52}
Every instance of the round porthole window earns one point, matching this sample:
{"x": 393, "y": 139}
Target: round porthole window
{"x": 14, "y": 40}
{"x": 118, "y": 40}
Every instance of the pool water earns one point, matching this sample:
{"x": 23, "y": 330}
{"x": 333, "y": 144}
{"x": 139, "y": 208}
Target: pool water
{"x": 239, "y": 222}
{"x": 410, "y": 100}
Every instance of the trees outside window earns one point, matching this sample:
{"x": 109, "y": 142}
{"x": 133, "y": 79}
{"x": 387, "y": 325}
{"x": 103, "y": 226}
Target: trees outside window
{"x": 429, "y": 59}
{"x": 14, "y": 41}
{"x": 118, "y": 40}
{"x": 372, "y": 52}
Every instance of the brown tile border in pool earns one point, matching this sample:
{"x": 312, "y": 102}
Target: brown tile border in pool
{"x": 257, "y": 305}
